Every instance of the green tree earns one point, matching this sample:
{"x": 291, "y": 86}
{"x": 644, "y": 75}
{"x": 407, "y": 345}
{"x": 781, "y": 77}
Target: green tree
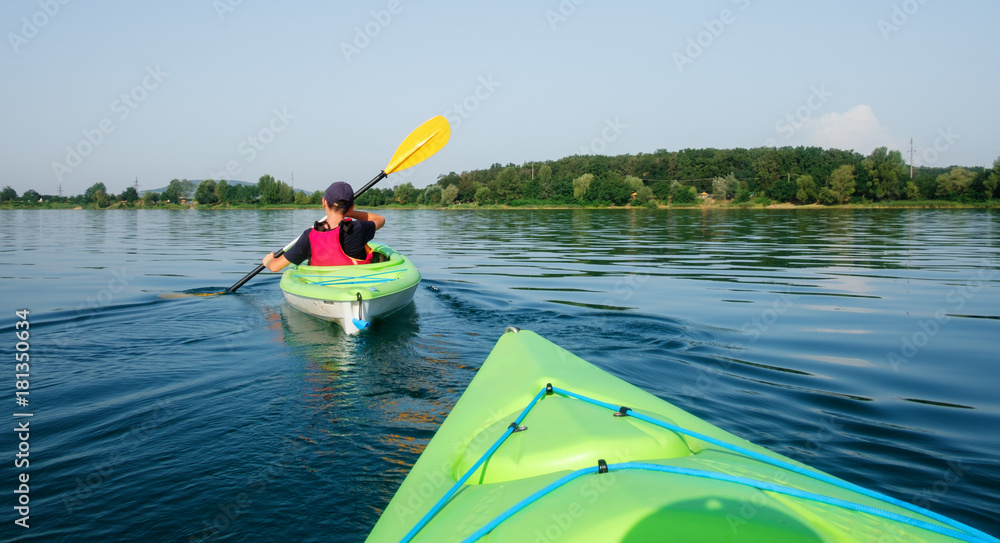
{"x": 885, "y": 169}
{"x": 101, "y": 199}
{"x": 405, "y": 193}
{"x": 842, "y": 184}
{"x": 742, "y": 194}
{"x": 609, "y": 189}
{"x": 484, "y": 195}
{"x": 682, "y": 194}
{"x": 176, "y": 190}
{"x": 222, "y": 192}
{"x": 432, "y": 195}
{"x": 316, "y": 198}
{"x": 508, "y": 185}
{"x": 130, "y": 195}
{"x": 286, "y": 194}
{"x": 466, "y": 188}
{"x": 783, "y": 190}
{"x": 581, "y": 185}
{"x": 911, "y": 191}
{"x": 241, "y": 194}
{"x": 767, "y": 171}
{"x": 90, "y": 195}
{"x": 990, "y": 185}
{"x": 302, "y": 199}
{"x": 205, "y": 193}
{"x": 449, "y": 194}
{"x": 31, "y": 196}
{"x": 545, "y": 182}
{"x": 634, "y": 183}
{"x": 270, "y": 191}
{"x": 719, "y": 189}
{"x": 954, "y": 183}
{"x": 532, "y": 188}
{"x": 150, "y": 198}
{"x": 8, "y": 194}
{"x": 808, "y": 191}
{"x": 643, "y": 196}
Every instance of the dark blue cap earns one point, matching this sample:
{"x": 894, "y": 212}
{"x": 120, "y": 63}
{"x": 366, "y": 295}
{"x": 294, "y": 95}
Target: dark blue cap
{"x": 339, "y": 191}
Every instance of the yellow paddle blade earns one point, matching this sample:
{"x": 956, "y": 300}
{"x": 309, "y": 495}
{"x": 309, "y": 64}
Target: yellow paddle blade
{"x": 423, "y": 142}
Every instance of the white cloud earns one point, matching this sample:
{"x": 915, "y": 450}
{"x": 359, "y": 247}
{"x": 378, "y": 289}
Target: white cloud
{"x": 856, "y": 128}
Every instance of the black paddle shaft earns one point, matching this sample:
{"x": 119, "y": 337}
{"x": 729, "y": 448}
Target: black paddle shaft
{"x": 260, "y": 267}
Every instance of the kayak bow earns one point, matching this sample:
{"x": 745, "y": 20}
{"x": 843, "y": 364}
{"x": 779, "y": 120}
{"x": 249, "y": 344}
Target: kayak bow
{"x": 543, "y": 446}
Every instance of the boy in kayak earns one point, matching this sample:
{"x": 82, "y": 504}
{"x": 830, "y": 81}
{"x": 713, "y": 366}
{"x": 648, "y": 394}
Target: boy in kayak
{"x": 342, "y": 239}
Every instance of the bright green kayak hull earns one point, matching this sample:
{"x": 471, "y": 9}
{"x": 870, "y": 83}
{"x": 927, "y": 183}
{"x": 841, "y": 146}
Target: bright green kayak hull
{"x": 352, "y": 295}
{"x": 565, "y": 434}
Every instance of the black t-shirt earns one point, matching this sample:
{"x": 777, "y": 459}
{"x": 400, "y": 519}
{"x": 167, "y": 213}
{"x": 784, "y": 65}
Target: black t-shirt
{"x": 353, "y": 244}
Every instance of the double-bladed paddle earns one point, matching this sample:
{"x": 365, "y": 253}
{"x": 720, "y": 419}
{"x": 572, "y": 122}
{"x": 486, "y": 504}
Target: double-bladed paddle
{"x": 423, "y": 142}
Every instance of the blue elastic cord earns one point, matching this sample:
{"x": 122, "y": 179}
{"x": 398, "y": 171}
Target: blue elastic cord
{"x": 526, "y": 502}
{"x": 346, "y": 277}
{"x": 359, "y": 282}
{"x": 761, "y": 485}
{"x": 454, "y": 488}
{"x": 963, "y": 532}
{"x": 791, "y": 467}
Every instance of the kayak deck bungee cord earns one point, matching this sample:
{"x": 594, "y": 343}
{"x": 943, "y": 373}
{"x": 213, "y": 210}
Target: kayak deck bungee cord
{"x": 544, "y": 446}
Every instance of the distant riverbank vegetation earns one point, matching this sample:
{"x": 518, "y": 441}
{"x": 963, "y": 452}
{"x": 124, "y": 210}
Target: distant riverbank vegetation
{"x": 760, "y": 177}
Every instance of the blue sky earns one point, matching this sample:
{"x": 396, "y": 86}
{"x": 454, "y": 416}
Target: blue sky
{"x": 111, "y": 91}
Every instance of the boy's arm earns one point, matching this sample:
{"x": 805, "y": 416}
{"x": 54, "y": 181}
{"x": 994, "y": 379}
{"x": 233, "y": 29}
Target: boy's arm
{"x": 379, "y": 220}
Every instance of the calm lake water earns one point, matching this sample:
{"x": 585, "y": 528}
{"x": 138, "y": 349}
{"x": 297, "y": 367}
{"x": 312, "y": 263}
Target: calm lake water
{"x": 862, "y": 342}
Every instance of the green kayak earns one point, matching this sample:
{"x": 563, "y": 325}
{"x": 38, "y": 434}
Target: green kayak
{"x": 544, "y": 446}
{"x": 352, "y": 296}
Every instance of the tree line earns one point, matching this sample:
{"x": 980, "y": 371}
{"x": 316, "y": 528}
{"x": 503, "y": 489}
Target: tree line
{"x": 803, "y": 175}
{"x": 267, "y": 190}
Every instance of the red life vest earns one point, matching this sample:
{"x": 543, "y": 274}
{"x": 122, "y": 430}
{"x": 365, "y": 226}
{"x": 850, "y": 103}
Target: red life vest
{"x": 326, "y": 249}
